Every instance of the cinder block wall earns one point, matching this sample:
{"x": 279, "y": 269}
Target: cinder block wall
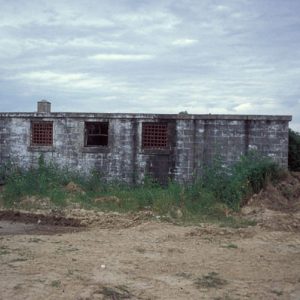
{"x": 200, "y": 141}
{"x": 193, "y": 141}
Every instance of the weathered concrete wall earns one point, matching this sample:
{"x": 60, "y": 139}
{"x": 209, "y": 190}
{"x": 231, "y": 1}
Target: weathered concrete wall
{"x": 193, "y": 141}
{"x": 200, "y": 141}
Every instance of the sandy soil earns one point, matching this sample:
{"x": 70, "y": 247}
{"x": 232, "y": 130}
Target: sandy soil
{"x": 150, "y": 260}
{"x": 95, "y": 255}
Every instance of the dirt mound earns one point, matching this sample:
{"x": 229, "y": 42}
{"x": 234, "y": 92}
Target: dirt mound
{"x": 74, "y": 188}
{"x": 283, "y": 196}
{"x": 277, "y": 206}
{"x": 107, "y": 220}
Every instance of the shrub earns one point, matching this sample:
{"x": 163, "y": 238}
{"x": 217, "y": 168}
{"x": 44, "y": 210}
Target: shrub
{"x": 232, "y": 185}
{"x": 218, "y": 189}
{"x": 249, "y": 175}
{"x": 294, "y": 150}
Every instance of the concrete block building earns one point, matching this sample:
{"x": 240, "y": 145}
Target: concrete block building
{"x": 126, "y": 147}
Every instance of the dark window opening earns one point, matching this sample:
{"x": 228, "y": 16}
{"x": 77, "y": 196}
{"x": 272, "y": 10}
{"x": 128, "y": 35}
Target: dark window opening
{"x": 155, "y": 136}
{"x": 96, "y": 133}
{"x": 41, "y": 133}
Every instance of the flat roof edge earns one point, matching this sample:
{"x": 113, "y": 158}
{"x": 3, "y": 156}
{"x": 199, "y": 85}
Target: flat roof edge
{"x": 146, "y": 116}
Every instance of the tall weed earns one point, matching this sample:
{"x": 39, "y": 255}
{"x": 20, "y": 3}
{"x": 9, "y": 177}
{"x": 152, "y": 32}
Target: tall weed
{"x": 218, "y": 189}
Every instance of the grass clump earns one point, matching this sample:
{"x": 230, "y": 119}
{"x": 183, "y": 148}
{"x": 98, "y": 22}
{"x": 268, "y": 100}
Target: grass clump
{"x": 118, "y": 292}
{"x": 211, "y": 280}
{"x": 4, "y": 250}
{"x": 56, "y": 283}
{"x": 230, "y": 246}
{"x": 46, "y": 180}
{"x": 210, "y": 197}
{"x": 233, "y": 185}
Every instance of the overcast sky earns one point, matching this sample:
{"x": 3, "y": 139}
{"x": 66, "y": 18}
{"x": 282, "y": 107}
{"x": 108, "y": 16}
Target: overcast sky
{"x": 160, "y": 56}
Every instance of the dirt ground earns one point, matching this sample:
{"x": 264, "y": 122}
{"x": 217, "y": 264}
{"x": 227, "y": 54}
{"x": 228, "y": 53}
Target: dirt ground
{"x": 95, "y": 255}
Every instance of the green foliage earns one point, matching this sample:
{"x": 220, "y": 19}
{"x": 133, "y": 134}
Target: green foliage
{"x": 230, "y": 246}
{"x": 219, "y": 190}
{"x": 46, "y": 180}
{"x": 294, "y": 150}
{"x": 249, "y": 175}
{"x": 233, "y": 185}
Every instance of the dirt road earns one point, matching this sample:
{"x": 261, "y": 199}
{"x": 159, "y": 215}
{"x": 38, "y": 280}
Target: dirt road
{"x": 133, "y": 259}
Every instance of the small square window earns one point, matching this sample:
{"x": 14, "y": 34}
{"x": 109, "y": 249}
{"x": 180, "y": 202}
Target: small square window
{"x": 42, "y": 133}
{"x": 155, "y": 135}
{"x": 96, "y": 134}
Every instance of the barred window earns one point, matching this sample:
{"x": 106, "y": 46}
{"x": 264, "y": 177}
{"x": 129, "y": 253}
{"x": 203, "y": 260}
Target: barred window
{"x": 42, "y": 133}
{"x": 96, "y": 134}
{"x": 155, "y": 135}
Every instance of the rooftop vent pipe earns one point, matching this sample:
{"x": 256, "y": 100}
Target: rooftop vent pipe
{"x": 44, "y": 106}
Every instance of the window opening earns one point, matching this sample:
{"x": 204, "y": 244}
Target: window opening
{"x": 42, "y": 133}
{"x": 96, "y": 134}
{"x": 155, "y": 136}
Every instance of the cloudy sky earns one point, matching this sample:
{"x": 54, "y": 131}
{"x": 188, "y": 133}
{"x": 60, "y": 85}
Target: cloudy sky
{"x": 162, "y": 56}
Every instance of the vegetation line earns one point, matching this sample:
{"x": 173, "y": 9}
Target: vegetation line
{"x": 220, "y": 189}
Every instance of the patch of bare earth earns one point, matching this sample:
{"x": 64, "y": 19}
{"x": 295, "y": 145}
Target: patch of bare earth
{"x": 131, "y": 256}
{"x": 277, "y": 207}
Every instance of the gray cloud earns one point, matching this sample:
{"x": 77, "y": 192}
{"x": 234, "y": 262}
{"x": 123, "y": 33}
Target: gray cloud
{"x": 152, "y": 56}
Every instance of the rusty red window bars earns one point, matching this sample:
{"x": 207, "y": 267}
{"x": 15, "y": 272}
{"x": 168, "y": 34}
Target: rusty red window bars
{"x": 155, "y": 135}
{"x": 42, "y": 133}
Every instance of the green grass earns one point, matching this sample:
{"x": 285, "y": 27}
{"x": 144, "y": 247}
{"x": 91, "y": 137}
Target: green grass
{"x": 211, "y": 198}
{"x": 56, "y": 283}
{"x": 4, "y": 251}
{"x": 230, "y": 246}
{"x": 35, "y": 240}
